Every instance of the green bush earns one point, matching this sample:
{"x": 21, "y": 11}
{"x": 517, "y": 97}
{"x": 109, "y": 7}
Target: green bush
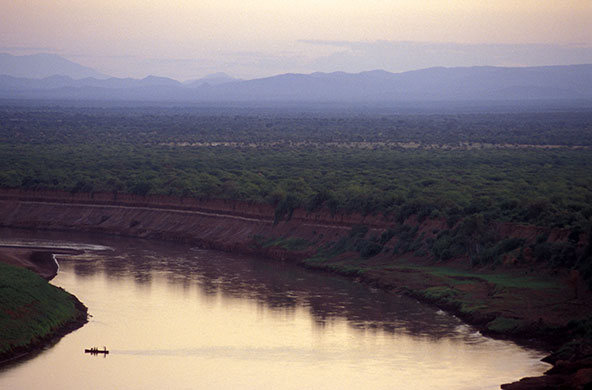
{"x": 492, "y": 254}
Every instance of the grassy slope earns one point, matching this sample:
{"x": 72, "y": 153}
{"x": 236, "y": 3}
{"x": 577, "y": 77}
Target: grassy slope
{"x": 511, "y": 301}
{"x": 32, "y": 310}
{"x": 536, "y": 305}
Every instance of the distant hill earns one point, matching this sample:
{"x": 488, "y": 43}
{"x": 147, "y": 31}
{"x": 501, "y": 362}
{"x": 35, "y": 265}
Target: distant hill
{"x": 38, "y": 66}
{"x": 212, "y": 79}
{"x": 433, "y": 84}
{"x": 55, "y": 84}
{"x": 480, "y": 83}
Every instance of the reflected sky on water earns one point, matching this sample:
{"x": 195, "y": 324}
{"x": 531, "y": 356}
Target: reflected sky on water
{"x": 179, "y": 317}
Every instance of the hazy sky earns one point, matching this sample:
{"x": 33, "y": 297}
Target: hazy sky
{"x": 187, "y": 39}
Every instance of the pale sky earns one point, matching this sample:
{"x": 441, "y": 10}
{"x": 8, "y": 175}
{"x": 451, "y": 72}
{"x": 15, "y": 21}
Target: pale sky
{"x": 186, "y": 39}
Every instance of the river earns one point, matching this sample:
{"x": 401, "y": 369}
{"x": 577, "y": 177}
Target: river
{"x": 178, "y": 317}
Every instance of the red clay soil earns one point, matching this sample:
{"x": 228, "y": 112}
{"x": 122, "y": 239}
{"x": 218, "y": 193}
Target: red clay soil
{"x": 40, "y": 262}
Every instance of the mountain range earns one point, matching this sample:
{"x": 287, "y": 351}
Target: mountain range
{"x": 44, "y": 65}
{"x": 432, "y": 84}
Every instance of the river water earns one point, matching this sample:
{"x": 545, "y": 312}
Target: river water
{"x": 177, "y": 317}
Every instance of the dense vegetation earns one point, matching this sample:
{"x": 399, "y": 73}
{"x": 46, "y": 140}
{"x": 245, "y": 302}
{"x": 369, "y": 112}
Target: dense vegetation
{"x": 31, "y": 309}
{"x": 468, "y": 169}
{"x": 543, "y": 187}
{"x": 311, "y": 161}
{"x": 155, "y": 125}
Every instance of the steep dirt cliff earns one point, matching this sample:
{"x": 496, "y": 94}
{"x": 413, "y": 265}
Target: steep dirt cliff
{"x": 217, "y": 224}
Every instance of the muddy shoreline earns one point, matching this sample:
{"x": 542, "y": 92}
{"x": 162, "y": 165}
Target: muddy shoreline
{"x": 38, "y": 259}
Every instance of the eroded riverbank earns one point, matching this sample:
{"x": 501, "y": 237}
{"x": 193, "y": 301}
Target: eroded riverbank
{"x": 509, "y": 302}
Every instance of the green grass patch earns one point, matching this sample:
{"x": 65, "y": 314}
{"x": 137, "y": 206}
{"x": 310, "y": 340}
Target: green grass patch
{"x": 345, "y": 269}
{"x": 452, "y": 296}
{"x": 456, "y": 276}
{"x": 30, "y": 307}
{"x": 349, "y": 267}
{"x": 288, "y": 243}
{"x": 504, "y": 325}
{"x": 439, "y": 292}
{"x": 468, "y": 308}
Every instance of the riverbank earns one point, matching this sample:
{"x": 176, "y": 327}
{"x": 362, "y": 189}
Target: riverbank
{"x": 33, "y": 313}
{"x": 40, "y": 260}
{"x": 520, "y": 300}
{"x": 535, "y": 311}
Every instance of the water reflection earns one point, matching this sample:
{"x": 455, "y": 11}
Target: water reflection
{"x": 280, "y": 287}
{"x": 179, "y": 317}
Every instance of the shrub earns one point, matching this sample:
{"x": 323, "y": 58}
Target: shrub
{"x": 387, "y": 235}
{"x": 368, "y": 248}
{"x": 358, "y": 231}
